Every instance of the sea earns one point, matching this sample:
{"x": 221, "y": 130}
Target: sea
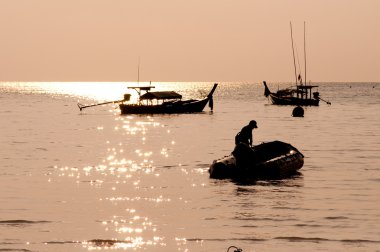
{"x": 94, "y": 179}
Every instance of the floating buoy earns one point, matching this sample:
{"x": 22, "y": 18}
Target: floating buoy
{"x": 298, "y": 112}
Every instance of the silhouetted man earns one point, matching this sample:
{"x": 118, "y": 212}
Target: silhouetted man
{"x": 245, "y": 135}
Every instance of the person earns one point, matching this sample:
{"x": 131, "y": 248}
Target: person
{"x": 245, "y": 135}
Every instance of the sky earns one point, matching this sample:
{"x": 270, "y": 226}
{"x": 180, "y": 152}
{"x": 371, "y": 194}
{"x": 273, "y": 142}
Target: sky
{"x": 193, "y": 40}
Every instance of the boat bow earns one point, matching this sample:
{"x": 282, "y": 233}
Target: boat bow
{"x": 209, "y": 97}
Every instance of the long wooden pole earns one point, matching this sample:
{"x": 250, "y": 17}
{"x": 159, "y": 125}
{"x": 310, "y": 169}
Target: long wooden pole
{"x": 81, "y": 106}
{"x": 294, "y": 58}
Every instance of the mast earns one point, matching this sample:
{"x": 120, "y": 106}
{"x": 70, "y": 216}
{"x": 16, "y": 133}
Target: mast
{"x": 138, "y": 71}
{"x": 299, "y": 65}
{"x": 304, "y": 47}
{"x": 294, "y": 59}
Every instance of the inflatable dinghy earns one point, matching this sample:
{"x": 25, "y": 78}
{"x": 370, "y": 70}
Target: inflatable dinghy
{"x": 271, "y": 160}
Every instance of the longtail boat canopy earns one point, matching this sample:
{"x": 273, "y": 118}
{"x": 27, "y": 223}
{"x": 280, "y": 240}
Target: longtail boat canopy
{"x": 161, "y": 95}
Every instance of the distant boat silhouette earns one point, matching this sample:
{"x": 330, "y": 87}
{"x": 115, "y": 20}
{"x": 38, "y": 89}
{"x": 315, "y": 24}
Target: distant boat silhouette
{"x": 165, "y": 102}
{"x": 301, "y": 94}
{"x": 160, "y": 102}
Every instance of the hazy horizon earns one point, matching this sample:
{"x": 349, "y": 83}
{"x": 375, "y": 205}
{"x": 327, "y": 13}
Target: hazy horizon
{"x": 213, "y": 40}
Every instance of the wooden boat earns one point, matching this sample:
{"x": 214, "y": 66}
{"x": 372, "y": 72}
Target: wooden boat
{"x": 271, "y": 160}
{"x": 300, "y": 95}
{"x": 165, "y": 102}
{"x": 159, "y": 102}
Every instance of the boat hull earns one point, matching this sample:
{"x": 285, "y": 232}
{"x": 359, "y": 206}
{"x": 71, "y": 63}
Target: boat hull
{"x": 272, "y": 160}
{"x": 277, "y": 100}
{"x": 191, "y": 106}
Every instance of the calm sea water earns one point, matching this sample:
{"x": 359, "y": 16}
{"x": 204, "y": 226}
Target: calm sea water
{"x": 77, "y": 181}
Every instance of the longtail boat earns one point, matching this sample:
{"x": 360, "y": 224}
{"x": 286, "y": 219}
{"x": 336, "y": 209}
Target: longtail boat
{"x": 165, "y": 102}
{"x": 159, "y": 102}
{"x": 271, "y": 160}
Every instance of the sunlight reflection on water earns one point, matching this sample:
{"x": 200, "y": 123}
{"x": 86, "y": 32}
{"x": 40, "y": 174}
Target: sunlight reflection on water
{"x": 120, "y": 171}
{"x": 141, "y": 182}
{"x": 102, "y": 91}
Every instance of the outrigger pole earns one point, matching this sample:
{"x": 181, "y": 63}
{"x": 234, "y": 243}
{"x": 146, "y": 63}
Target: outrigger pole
{"x": 327, "y": 102}
{"x": 81, "y": 106}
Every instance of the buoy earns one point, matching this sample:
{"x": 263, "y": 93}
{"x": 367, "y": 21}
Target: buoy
{"x": 298, "y": 112}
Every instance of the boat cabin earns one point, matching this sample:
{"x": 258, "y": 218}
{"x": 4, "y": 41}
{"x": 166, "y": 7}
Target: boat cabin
{"x": 163, "y": 95}
{"x": 158, "y": 96}
{"x": 304, "y": 91}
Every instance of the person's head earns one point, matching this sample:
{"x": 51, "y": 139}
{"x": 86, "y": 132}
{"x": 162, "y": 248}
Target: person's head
{"x": 253, "y": 124}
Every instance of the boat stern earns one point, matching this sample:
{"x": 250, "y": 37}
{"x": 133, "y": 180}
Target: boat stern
{"x": 266, "y": 91}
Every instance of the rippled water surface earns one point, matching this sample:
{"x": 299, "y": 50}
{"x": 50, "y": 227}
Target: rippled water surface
{"x": 77, "y": 181}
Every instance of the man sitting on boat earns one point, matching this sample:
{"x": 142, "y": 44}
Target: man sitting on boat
{"x": 245, "y": 135}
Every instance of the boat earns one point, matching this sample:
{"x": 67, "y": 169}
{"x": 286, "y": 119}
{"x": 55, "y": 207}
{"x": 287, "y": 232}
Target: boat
{"x": 165, "y": 102}
{"x": 269, "y": 160}
{"x": 299, "y": 95}
{"x": 159, "y": 102}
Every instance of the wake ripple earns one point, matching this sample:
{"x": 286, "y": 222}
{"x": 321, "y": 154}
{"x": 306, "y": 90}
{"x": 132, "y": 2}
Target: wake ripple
{"x": 22, "y": 250}
{"x": 318, "y": 239}
{"x": 21, "y": 222}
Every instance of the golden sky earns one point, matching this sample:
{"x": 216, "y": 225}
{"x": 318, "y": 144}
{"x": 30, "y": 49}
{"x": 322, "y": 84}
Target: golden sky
{"x": 193, "y": 40}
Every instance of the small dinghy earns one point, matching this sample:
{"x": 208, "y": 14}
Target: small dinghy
{"x": 271, "y": 160}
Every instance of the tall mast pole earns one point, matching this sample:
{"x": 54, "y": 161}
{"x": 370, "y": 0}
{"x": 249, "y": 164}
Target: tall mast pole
{"x": 138, "y": 71}
{"x": 294, "y": 58}
{"x": 304, "y": 47}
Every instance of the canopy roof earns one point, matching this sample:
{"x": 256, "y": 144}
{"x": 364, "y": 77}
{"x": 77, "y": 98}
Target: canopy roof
{"x": 161, "y": 95}
{"x": 305, "y": 86}
{"x": 145, "y": 88}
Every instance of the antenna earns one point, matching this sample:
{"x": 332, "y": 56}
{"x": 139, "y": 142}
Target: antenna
{"x": 294, "y": 59}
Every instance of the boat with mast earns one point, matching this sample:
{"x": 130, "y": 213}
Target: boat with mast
{"x": 299, "y": 95}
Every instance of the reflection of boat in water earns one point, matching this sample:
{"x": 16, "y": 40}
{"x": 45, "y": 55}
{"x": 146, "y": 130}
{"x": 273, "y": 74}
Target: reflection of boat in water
{"x": 159, "y": 102}
{"x": 300, "y": 95}
{"x": 271, "y": 160}
{"x": 168, "y": 102}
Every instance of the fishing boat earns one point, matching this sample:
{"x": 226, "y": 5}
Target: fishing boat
{"x": 299, "y": 95}
{"x": 165, "y": 102}
{"x": 270, "y": 160}
{"x": 159, "y": 102}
